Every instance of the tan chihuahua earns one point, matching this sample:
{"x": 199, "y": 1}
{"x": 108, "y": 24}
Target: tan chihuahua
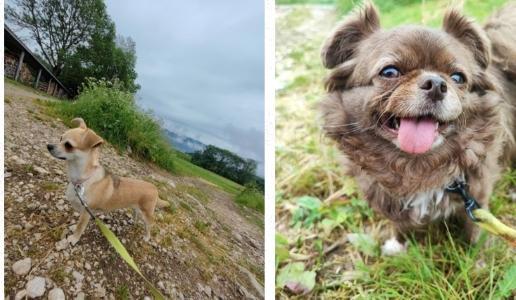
{"x": 101, "y": 190}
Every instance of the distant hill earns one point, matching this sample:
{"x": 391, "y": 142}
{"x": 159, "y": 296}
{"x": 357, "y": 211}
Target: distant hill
{"x": 183, "y": 143}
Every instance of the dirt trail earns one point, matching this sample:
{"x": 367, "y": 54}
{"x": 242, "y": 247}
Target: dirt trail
{"x": 204, "y": 246}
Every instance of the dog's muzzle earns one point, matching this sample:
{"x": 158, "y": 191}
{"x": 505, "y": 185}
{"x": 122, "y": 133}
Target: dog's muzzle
{"x": 51, "y": 148}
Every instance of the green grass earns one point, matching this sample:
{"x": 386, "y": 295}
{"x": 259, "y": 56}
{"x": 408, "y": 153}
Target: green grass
{"x": 202, "y": 226}
{"x": 186, "y": 168}
{"x": 317, "y": 205}
{"x": 122, "y": 292}
{"x": 397, "y": 12}
{"x": 251, "y": 197}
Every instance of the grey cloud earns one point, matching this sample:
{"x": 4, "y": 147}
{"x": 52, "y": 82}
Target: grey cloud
{"x": 200, "y": 65}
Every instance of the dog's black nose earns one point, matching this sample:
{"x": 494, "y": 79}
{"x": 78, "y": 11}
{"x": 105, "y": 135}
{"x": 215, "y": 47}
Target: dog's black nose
{"x": 50, "y": 147}
{"x": 434, "y": 87}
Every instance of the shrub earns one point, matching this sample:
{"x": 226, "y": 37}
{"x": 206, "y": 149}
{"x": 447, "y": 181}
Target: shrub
{"x": 251, "y": 197}
{"x": 113, "y": 114}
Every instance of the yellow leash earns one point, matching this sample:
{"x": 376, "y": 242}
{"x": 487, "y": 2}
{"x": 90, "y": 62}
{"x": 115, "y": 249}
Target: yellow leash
{"x": 115, "y": 243}
{"x": 490, "y": 223}
{"x": 482, "y": 217}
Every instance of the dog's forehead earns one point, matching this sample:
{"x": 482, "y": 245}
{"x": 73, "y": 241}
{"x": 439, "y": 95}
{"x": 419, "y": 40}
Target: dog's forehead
{"x": 417, "y": 47}
{"x": 74, "y": 134}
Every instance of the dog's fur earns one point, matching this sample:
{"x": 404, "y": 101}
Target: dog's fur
{"x": 102, "y": 190}
{"x": 476, "y": 128}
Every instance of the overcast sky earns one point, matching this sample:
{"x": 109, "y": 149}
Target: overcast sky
{"x": 200, "y": 67}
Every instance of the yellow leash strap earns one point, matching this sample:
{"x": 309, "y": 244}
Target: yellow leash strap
{"x": 482, "y": 217}
{"x": 115, "y": 242}
{"x": 490, "y": 223}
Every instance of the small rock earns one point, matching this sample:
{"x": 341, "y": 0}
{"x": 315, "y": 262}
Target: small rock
{"x": 78, "y": 276}
{"x": 20, "y": 295}
{"x": 80, "y": 296}
{"x": 56, "y": 294}
{"x": 238, "y": 236}
{"x": 62, "y": 244}
{"x": 513, "y": 196}
{"x": 35, "y": 287}
{"x": 207, "y": 290}
{"x": 41, "y": 171}
{"x": 22, "y": 267}
{"x": 18, "y": 160}
{"x": 100, "y": 292}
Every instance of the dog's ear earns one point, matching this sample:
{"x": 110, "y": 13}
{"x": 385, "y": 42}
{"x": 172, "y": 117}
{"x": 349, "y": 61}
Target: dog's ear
{"x": 80, "y": 122}
{"x": 469, "y": 34}
{"x": 340, "y": 46}
{"x": 92, "y": 140}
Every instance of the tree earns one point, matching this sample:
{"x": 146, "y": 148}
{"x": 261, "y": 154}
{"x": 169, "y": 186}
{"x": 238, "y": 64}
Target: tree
{"x": 107, "y": 56}
{"x": 225, "y": 163}
{"x": 58, "y": 26}
{"x": 78, "y": 40}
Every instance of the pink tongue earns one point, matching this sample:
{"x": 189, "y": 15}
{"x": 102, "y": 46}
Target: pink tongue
{"x": 417, "y": 136}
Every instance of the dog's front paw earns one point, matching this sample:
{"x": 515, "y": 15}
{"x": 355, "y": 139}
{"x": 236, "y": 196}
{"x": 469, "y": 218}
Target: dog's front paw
{"x": 393, "y": 247}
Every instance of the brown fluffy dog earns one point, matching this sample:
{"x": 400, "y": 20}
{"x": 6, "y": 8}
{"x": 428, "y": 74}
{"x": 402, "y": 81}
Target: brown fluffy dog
{"x": 414, "y": 109}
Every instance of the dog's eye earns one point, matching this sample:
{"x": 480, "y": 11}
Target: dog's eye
{"x": 458, "y": 77}
{"x": 68, "y": 146}
{"x": 390, "y": 72}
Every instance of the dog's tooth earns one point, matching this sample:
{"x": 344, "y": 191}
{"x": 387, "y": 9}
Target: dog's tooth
{"x": 396, "y": 123}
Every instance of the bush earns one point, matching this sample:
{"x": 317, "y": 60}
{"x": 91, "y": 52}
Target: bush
{"x": 251, "y": 197}
{"x": 113, "y": 114}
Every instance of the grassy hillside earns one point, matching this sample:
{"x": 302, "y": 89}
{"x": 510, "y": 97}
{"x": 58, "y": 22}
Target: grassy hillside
{"x": 186, "y": 168}
{"x": 328, "y": 238}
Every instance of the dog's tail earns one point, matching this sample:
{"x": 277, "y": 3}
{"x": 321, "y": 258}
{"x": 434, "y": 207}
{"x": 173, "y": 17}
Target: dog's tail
{"x": 162, "y": 203}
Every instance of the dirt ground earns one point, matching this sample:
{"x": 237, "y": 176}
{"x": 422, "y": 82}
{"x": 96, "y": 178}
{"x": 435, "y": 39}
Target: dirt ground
{"x": 203, "y": 247}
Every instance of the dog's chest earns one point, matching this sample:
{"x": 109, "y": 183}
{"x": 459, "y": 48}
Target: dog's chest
{"x": 429, "y": 206}
{"x": 74, "y": 200}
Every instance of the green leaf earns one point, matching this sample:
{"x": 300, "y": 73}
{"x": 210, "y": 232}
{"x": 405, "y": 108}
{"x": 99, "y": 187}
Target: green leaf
{"x": 282, "y": 252}
{"x": 507, "y": 284}
{"x": 294, "y": 278}
{"x": 364, "y": 243}
{"x": 327, "y": 225}
{"x": 311, "y": 203}
{"x": 307, "y": 212}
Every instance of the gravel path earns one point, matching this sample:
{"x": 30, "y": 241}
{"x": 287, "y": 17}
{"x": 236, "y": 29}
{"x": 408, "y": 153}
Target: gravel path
{"x": 203, "y": 247}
